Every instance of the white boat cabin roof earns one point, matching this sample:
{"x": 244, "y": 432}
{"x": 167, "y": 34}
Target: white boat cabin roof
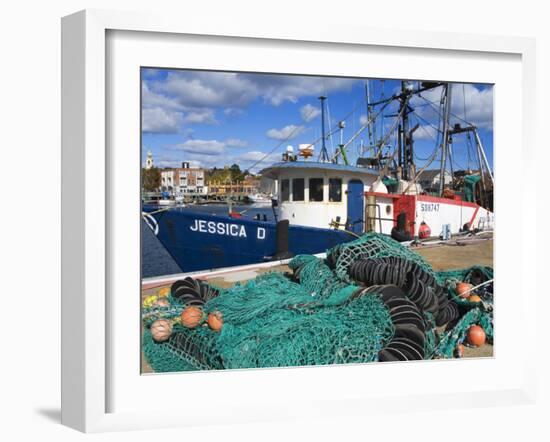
{"x": 276, "y": 170}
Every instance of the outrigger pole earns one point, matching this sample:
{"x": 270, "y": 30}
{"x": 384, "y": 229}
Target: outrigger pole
{"x": 482, "y": 150}
{"x": 481, "y": 157}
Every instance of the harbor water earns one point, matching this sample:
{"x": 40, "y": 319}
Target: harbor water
{"x": 156, "y": 261}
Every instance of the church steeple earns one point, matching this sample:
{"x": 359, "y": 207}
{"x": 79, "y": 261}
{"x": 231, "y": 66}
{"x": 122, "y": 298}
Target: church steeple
{"x": 149, "y": 161}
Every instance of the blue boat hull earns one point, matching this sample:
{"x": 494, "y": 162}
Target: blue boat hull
{"x": 199, "y": 241}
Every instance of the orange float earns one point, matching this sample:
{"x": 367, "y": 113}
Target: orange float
{"x": 161, "y": 330}
{"x": 476, "y": 336}
{"x": 192, "y": 316}
{"x": 463, "y": 288}
{"x": 163, "y": 292}
{"x": 162, "y": 302}
{"x": 215, "y": 321}
{"x": 424, "y": 231}
{"x": 474, "y": 298}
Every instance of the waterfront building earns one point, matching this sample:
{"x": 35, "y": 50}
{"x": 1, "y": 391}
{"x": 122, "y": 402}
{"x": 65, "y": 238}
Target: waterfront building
{"x": 249, "y": 185}
{"x": 184, "y": 180}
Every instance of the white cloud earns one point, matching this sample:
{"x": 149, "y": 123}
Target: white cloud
{"x": 159, "y": 120}
{"x": 363, "y": 120}
{"x": 479, "y": 104}
{"x": 201, "y": 116}
{"x": 150, "y": 72}
{"x": 425, "y": 132}
{"x": 286, "y": 133}
{"x": 235, "y": 91}
{"x": 232, "y": 112}
{"x": 203, "y": 147}
{"x": 190, "y": 97}
{"x": 276, "y": 89}
{"x": 207, "y": 89}
{"x": 167, "y": 163}
{"x": 251, "y": 158}
{"x": 309, "y": 112}
{"x": 236, "y": 142}
{"x": 151, "y": 99}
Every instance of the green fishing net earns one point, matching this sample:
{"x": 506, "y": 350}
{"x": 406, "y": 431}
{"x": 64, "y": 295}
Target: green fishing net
{"x": 451, "y": 278}
{"x": 451, "y": 338}
{"x": 277, "y": 323}
{"x": 274, "y": 322}
{"x": 308, "y": 318}
{"x": 371, "y": 245}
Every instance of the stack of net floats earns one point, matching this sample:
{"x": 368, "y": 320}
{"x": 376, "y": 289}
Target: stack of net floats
{"x": 370, "y": 300}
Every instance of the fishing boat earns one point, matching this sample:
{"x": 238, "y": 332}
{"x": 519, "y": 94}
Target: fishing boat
{"x": 326, "y": 201}
{"x": 258, "y": 198}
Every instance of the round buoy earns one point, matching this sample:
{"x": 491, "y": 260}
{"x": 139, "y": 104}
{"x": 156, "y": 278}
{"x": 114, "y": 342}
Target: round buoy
{"x": 161, "y": 330}
{"x": 192, "y": 316}
{"x": 448, "y": 193}
{"x": 474, "y": 298}
{"x": 424, "y": 231}
{"x": 462, "y": 289}
{"x": 215, "y": 321}
{"x": 476, "y": 336}
{"x": 162, "y": 302}
{"x": 163, "y": 292}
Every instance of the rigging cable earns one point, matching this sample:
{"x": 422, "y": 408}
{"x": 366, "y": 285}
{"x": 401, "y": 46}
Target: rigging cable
{"x": 385, "y": 139}
{"x": 291, "y": 134}
{"x": 364, "y": 126}
{"x": 452, "y": 114}
{"x": 469, "y": 137}
{"x": 284, "y": 140}
{"x": 382, "y": 98}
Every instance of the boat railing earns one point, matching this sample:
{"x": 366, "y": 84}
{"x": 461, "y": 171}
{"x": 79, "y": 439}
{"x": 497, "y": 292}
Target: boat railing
{"x": 373, "y": 215}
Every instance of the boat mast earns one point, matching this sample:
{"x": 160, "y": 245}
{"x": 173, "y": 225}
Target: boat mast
{"x": 400, "y": 141}
{"x": 445, "y": 138}
{"x": 324, "y": 153}
{"x": 372, "y": 127}
{"x": 405, "y": 160}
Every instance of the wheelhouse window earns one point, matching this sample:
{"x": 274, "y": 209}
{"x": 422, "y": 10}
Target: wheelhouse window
{"x": 335, "y": 190}
{"x": 316, "y": 189}
{"x": 298, "y": 185}
{"x": 285, "y": 190}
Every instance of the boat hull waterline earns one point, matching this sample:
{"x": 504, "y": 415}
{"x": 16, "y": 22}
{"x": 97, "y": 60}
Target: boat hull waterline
{"x": 198, "y": 241}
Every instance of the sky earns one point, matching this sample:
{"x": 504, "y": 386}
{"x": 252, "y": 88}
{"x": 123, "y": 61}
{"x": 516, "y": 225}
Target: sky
{"x": 213, "y": 119}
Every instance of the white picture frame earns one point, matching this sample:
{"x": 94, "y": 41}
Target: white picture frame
{"x": 88, "y": 334}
